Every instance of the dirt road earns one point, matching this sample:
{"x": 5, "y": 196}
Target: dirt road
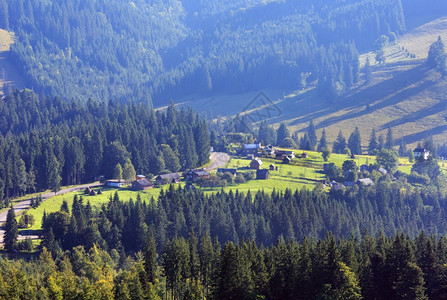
{"x": 218, "y": 159}
{"x": 21, "y": 206}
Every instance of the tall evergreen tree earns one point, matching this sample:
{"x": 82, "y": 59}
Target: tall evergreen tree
{"x": 339, "y": 144}
{"x": 389, "y": 139}
{"x": 372, "y": 147}
{"x": 354, "y": 142}
{"x": 312, "y": 134}
{"x": 11, "y": 231}
{"x": 323, "y": 141}
{"x": 282, "y": 133}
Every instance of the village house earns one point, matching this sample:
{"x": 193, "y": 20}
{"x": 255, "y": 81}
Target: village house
{"x": 382, "y": 171}
{"x": 421, "y": 153}
{"x": 139, "y": 177}
{"x": 365, "y": 182}
{"x": 281, "y": 153}
{"x": 304, "y": 155}
{"x": 196, "y": 174}
{"x": 114, "y": 183}
{"x": 142, "y": 184}
{"x": 272, "y": 167}
{"x": 286, "y": 160}
{"x": 252, "y": 148}
{"x": 170, "y": 178}
{"x": 262, "y": 174}
{"x": 255, "y": 164}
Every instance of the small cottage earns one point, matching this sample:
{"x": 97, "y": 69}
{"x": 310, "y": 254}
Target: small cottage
{"x": 170, "y": 178}
{"x": 421, "y": 153}
{"x": 139, "y": 177}
{"x": 255, "y": 164}
{"x": 365, "y": 182}
{"x": 142, "y": 184}
{"x": 262, "y": 174}
{"x": 196, "y": 174}
{"x": 286, "y": 160}
{"x": 304, "y": 155}
{"x": 272, "y": 167}
{"x": 114, "y": 183}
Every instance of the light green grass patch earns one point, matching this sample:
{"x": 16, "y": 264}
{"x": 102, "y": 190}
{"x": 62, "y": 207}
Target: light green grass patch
{"x": 54, "y": 203}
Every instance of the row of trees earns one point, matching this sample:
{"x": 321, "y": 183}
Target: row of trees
{"x": 54, "y": 142}
{"x": 380, "y": 267}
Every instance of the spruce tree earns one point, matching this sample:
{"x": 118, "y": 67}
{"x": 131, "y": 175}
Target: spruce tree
{"x": 312, "y": 134}
{"x": 118, "y": 172}
{"x": 323, "y": 141}
{"x": 282, "y": 133}
{"x": 354, "y": 142}
{"x": 389, "y": 139}
{"x": 372, "y": 147}
{"x": 339, "y": 144}
{"x": 11, "y": 231}
{"x": 150, "y": 259}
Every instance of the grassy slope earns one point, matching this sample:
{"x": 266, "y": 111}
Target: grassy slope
{"x": 403, "y": 94}
{"x": 8, "y": 72}
{"x": 287, "y": 176}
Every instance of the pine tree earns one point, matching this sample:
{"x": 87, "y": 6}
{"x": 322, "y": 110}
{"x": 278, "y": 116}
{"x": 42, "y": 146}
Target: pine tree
{"x": 312, "y": 134}
{"x": 339, "y": 144}
{"x": 282, "y": 133}
{"x": 11, "y": 231}
{"x": 129, "y": 171}
{"x": 436, "y": 54}
{"x": 389, "y": 139}
{"x": 372, "y": 147}
{"x": 354, "y": 142}
{"x": 150, "y": 259}
{"x": 118, "y": 172}
{"x": 323, "y": 142}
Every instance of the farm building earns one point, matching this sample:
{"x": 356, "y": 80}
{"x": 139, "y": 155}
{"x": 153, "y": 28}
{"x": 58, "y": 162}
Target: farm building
{"x": 262, "y": 174}
{"x": 420, "y": 152}
{"x": 142, "y": 184}
{"x": 114, "y": 183}
{"x": 196, "y": 174}
{"x": 255, "y": 164}
{"x": 170, "y": 178}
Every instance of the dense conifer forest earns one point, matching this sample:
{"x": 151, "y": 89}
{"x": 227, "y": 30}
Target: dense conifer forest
{"x": 97, "y": 67}
{"x": 47, "y": 142}
{"x": 157, "y": 50}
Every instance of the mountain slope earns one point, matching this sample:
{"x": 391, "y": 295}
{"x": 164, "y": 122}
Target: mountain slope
{"x": 403, "y": 94}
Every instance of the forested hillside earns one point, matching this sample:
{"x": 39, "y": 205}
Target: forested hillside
{"x": 160, "y": 49}
{"x": 46, "y": 142}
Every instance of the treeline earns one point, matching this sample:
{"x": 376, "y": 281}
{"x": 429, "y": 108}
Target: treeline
{"x": 47, "y": 142}
{"x": 162, "y": 49}
{"x": 262, "y": 217}
{"x": 380, "y": 267}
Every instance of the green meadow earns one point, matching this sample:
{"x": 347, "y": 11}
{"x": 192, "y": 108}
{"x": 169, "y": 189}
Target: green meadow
{"x": 301, "y": 172}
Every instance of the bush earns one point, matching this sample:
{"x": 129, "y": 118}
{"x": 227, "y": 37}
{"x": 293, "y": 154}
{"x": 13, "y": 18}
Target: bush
{"x": 239, "y": 178}
{"x": 25, "y": 245}
{"x": 249, "y": 175}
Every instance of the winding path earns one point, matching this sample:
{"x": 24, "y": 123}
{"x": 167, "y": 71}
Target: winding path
{"x": 218, "y": 159}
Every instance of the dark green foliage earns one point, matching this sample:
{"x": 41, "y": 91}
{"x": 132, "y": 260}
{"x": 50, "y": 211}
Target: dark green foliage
{"x": 104, "y": 50}
{"x": 354, "y": 142}
{"x": 323, "y": 142}
{"x": 90, "y": 141}
{"x": 388, "y": 159}
{"x": 339, "y": 144}
{"x": 11, "y": 231}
